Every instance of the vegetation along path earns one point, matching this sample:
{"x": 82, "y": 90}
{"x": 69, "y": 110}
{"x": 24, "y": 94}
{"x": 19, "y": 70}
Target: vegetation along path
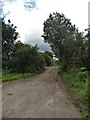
{"x": 41, "y": 96}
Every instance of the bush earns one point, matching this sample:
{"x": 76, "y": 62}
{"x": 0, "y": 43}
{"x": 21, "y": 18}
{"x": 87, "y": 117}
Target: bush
{"x": 26, "y": 59}
{"x": 83, "y": 74}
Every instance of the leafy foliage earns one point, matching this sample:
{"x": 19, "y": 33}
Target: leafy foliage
{"x": 48, "y": 58}
{"x": 68, "y": 44}
{"x": 18, "y": 57}
{"x": 88, "y": 47}
{"x": 26, "y": 59}
{"x": 9, "y": 36}
{"x": 78, "y": 88}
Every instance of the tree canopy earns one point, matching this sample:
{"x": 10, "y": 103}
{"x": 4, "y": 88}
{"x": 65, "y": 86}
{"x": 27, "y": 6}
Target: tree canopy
{"x": 68, "y": 44}
{"x": 9, "y": 36}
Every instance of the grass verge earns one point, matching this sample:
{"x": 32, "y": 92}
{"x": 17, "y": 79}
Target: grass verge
{"x": 15, "y": 76}
{"x": 78, "y": 89}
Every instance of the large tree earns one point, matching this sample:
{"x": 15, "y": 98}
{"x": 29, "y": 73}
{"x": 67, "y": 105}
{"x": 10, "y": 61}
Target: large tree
{"x": 9, "y": 36}
{"x": 65, "y": 39}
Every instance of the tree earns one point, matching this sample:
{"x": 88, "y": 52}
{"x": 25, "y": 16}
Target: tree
{"x": 48, "y": 58}
{"x": 49, "y": 54}
{"x": 87, "y": 36}
{"x": 9, "y": 36}
{"x": 56, "y": 31}
{"x": 64, "y": 38}
{"x": 89, "y": 50}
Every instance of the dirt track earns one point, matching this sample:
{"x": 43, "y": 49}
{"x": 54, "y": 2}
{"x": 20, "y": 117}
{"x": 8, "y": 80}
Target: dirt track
{"x": 42, "y": 96}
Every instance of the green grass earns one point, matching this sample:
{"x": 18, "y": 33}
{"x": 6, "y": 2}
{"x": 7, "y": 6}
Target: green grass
{"x": 15, "y": 76}
{"x": 78, "y": 90}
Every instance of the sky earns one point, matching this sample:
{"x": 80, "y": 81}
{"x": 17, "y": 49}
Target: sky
{"x": 89, "y": 14}
{"x": 29, "y": 15}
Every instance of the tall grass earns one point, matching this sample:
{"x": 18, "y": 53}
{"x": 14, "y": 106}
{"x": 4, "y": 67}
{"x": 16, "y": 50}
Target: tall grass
{"x": 77, "y": 83}
{"x": 15, "y": 76}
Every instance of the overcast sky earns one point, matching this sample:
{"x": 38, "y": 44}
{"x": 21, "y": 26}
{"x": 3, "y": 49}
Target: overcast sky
{"x": 29, "y": 15}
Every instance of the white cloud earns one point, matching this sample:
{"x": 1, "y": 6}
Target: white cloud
{"x": 30, "y": 24}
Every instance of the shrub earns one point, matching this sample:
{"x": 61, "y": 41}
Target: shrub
{"x": 26, "y": 59}
{"x": 83, "y": 74}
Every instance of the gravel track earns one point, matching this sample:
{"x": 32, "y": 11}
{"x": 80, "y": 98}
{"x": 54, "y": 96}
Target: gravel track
{"x": 41, "y": 96}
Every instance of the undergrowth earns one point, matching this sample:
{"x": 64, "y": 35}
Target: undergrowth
{"x": 15, "y": 76}
{"x": 77, "y": 83}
